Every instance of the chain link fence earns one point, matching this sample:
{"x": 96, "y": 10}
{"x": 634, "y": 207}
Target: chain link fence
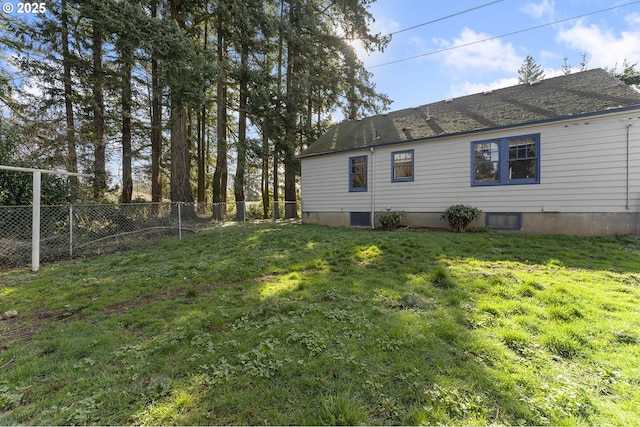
{"x": 71, "y": 231}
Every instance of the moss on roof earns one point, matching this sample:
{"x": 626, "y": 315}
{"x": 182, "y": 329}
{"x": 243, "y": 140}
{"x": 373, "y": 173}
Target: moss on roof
{"x": 580, "y": 93}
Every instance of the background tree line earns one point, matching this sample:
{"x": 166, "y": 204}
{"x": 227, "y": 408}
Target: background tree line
{"x": 203, "y": 97}
{"x": 530, "y": 71}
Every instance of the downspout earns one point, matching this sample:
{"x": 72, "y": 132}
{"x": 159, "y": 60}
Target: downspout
{"x": 373, "y": 188}
{"x": 628, "y": 165}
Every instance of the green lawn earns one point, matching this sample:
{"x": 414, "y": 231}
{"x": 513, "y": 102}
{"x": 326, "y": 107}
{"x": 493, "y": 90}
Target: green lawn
{"x": 303, "y": 324}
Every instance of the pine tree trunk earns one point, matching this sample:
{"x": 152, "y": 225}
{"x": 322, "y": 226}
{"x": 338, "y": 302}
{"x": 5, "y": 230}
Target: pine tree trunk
{"x": 290, "y": 161}
{"x": 127, "y": 173}
{"x": 241, "y": 165}
{"x": 220, "y": 175}
{"x": 156, "y": 123}
{"x": 265, "y": 176}
{"x": 181, "y": 190}
{"x": 290, "y": 195}
{"x": 72, "y": 155}
{"x": 202, "y": 156}
{"x": 100, "y": 140}
{"x": 202, "y": 152}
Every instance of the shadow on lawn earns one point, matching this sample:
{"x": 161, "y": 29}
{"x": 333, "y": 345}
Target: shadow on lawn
{"x": 345, "y": 334}
{"x": 306, "y": 325}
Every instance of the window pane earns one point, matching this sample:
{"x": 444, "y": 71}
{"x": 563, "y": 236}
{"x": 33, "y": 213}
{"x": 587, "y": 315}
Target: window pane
{"x": 506, "y": 161}
{"x": 487, "y": 160}
{"x": 358, "y": 173}
{"x": 403, "y": 172}
{"x": 522, "y": 158}
{"x": 487, "y": 171}
{"x": 359, "y": 181}
{"x": 522, "y": 169}
{"x": 403, "y": 165}
{"x": 522, "y": 148}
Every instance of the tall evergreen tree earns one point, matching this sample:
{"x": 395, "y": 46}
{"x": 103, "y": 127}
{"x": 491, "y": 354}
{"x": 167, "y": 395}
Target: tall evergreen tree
{"x": 311, "y": 34}
{"x": 282, "y": 65}
{"x": 220, "y": 174}
{"x": 98, "y": 108}
{"x": 584, "y": 63}
{"x": 530, "y": 71}
{"x": 629, "y": 74}
{"x": 70, "y": 132}
{"x": 156, "y": 118}
{"x": 566, "y": 67}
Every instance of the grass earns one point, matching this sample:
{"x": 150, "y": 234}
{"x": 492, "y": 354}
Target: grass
{"x": 312, "y": 325}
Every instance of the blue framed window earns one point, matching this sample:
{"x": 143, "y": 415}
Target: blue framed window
{"x": 358, "y": 173}
{"x": 506, "y": 161}
{"x": 402, "y": 166}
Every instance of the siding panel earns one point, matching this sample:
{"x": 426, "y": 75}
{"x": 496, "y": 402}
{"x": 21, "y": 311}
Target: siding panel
{"x": 583, "y": 168}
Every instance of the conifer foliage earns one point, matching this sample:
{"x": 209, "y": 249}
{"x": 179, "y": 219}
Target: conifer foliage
{"x": 180, "y": 94}
{"x": 530, "y": 71}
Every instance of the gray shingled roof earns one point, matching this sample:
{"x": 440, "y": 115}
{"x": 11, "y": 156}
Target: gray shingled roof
{"x": 580, "y": 93}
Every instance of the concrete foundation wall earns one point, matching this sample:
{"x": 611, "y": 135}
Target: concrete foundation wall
{"x": 582, "y": 224}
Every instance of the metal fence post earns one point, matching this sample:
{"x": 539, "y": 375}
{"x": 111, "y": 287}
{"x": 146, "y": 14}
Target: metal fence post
{"x": 179, "y": 221}
{"x": 35, "y": 222}
{"x": 70, "y": 231}
{"x": 244, "y": 214}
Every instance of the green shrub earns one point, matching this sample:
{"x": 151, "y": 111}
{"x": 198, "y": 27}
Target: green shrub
{"x": 16, "y": 188}
{"x": 390, "y": 219}
{"x": 460, "y": 216}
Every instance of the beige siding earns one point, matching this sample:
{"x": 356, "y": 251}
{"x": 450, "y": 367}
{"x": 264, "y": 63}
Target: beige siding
{"x": 325, "y": 184}
{"x": 583, "y": 168}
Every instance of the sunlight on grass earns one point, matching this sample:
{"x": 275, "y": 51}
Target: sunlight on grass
{"x": 308, "y": 325}
{"x": 6, "y": 292}
{"x": 281, "y": 284}
{"x": 170, "y": 410}
{"x": 366, "y": 255}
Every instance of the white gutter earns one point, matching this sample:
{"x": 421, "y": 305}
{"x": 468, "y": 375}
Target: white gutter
{"x": 373, "y": 188}
{"x": 628, "y": 165}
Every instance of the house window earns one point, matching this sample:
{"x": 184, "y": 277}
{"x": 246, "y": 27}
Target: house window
{"x": 503, "y": 161}
{"x": 358, "y": 173}
{"x": 402, "y": 165}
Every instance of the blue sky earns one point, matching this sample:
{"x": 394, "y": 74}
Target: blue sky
{"x": 608, "y": 37}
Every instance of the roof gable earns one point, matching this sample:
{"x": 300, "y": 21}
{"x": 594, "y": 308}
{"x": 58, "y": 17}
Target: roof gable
{"x": 575, "y": 94}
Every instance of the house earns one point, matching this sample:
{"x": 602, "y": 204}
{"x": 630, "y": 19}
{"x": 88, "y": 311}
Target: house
{"x": 561, "y": 155}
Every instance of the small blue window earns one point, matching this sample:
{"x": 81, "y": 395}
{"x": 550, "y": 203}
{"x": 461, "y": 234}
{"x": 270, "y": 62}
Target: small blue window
{"x": 358, "y": 173}
{"x": 402, "y": 166}
{"x": 506, "y": 161}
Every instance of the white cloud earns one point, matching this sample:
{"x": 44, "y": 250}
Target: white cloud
{"x": 553, "y": 72}
{"x": 491, "y": 55}
{"x": 633, "y": 19}
{"x": 543, "y": 9}
{"x": 605, "y": 48}
{"x": 384, "y": 25}
{"x": 469, "y": 88}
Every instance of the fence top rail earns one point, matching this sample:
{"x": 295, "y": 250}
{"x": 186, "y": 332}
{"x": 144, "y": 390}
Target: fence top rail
{"x": 52, "y": 172}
